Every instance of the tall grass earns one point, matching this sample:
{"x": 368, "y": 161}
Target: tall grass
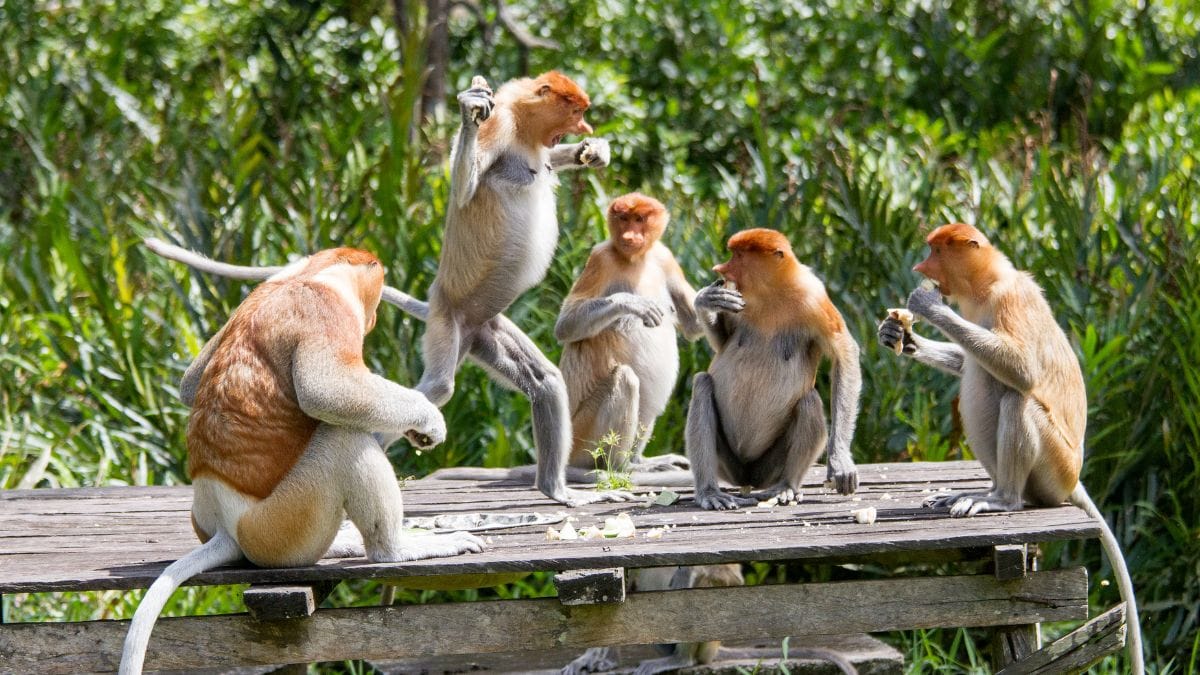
{"x": 260, "y": 134}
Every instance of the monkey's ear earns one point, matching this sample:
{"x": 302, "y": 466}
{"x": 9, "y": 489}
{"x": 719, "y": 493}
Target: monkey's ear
{"x": 543, "y": 90}
{"x": 972, "y": 243}
{"x": 778, "y": 254}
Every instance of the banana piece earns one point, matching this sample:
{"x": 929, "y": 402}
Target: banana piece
{"x": 906, "y": 319}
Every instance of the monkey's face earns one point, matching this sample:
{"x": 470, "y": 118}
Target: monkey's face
{"x": 748, "y": 270}
{"x": 635, "y": 231}
{"x": 559, "y": 108}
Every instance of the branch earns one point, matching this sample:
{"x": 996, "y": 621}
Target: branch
{"x": 524, "y": 37}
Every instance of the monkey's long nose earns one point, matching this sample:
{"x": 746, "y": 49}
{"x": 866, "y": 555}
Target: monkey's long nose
{"x": 583, "y": 128}
{"x": 721, "y": 268}
{"x": 920, "y": 267}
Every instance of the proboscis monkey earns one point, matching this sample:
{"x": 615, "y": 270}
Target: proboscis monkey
{"x": 1022, "y": 397}
{"x": 756, "y": 418}
{"x": 280, "y": 444}
{"x": 501, "y": 231}
{"x": 620, "y": 358}
{"x": 617, "y": 326}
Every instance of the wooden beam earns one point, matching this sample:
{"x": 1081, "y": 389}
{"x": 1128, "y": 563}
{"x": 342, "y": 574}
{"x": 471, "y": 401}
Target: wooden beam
{"x": 697, "y": 614}
{"x": 271, "y": 602}
{"x": 1078, "y": 650}
{"x": 591, "y": 587}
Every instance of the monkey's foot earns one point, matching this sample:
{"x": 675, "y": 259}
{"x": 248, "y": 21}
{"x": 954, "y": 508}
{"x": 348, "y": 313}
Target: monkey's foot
{"x": 971, "y": 505}
{"x": 782, "y": 494}
{"x": 664, "y": 664}
{"x": 717, "y": 500}
{"x": 580, "y": 497}
{"x": 947, "y": 499}
{"x": 594, "y": 660}
{"x": 421, "y": 547}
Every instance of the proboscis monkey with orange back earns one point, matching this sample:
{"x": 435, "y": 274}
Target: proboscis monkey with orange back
{"x": 280, "y": 445}
{"x": 1022, "y": 397}
{"x": 501, "y": 232}
{"x": 756, "y": 418}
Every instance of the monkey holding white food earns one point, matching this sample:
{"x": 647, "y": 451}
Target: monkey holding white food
{"x": 280, "y": 444}
{"x": 756, "y": 418}
{"x": 1021, "y": 397}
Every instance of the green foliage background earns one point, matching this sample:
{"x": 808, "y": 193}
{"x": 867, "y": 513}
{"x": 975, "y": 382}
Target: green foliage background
{"x": 1066, "y": 130}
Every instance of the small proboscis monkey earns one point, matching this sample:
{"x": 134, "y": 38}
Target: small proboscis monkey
{"x": 620, "y": 358}
{"x": 1022, "y": 397}
{"x": 756, "y": 418}
{"x": 280, "y": 444}
{"x": 501, "y": 232}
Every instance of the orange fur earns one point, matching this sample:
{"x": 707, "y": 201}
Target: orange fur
{"x": 536, "y": 112}
{"x": 635, "y": 223}
{"x": 246, "y": 427}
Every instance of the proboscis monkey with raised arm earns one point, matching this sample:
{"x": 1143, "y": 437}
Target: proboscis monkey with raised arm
{"x": 1022, "y": 397}
{"x": 280, "y": 444}
{"x": 620, "y": 359}
{"x": 501, "y": 232}
{"x": 756, "y": 418}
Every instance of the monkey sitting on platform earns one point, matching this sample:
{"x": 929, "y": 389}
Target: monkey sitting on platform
{"x": 1021, "y": 397}
{"x": 280, "y": 444}
{"x": 756, "y": 418}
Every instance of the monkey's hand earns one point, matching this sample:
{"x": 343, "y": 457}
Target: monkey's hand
{"x": 647, "y": 310}
{"x": 842, "y": 474}
{"x": 926, "y": 302}
{"x": 716, "y": 298}
{"x": 476, "y": 103}
{"x": 715, "y": 499}
{"x": 893, "y": 332}
{"x": 593, "y": 152}
{"x": 427, "y": 435}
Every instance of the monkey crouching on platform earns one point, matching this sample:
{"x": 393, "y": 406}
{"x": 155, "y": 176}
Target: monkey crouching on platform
{"x": 756, "y": 418}
{"x": 1021, "y": 397}
{"x": 280, "y": 445}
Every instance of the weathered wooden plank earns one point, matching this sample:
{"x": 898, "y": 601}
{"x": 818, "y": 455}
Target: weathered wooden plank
{"x": 666, "y": 616}
{"x": 1013, "y": 643}
{"x": 86, "y": 547}
{"x": 1078, "y": 650}
{"x": 867, "y": 654}
{"x": 590, "y": 587}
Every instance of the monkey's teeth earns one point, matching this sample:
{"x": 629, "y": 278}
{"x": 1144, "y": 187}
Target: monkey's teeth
{"x": 929, "y": 285}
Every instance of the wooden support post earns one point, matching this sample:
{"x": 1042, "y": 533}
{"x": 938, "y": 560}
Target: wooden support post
{"x": 1010, "y": 561}
{"x": 591, "y": 587}
{"x": 1013, "y": 643}
{"x": 1076, "y": 651}
{"x": 275, "y": 602}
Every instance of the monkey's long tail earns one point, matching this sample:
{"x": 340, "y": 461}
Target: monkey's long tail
{"x": 1080, "y": 498}
{"x": 220, "y": 550}
{"x": 392, "y": 296}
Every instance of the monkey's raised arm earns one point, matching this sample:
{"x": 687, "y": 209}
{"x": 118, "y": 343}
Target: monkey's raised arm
{"x": 582, "y": 319}
{"x": 846, "y": 386}
{"x": 714, "y": 306}
{"x": 1007, "y": 362}
{"x": 590, "y": 152}
{"x": 191, "y": 377}
{"x": 466, "y": 161}
{"x": 683, "y": 297}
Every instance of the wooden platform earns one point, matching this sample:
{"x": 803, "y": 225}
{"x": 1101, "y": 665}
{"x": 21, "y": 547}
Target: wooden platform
{"x": 121, "y": 538}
